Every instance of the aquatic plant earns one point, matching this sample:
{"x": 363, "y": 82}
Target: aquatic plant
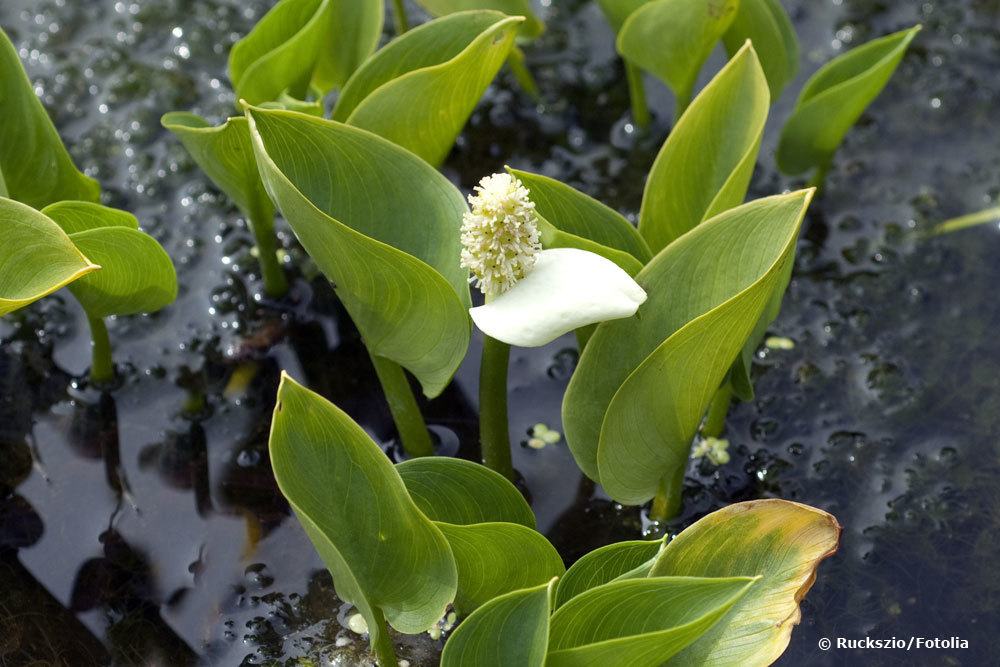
{"x": 672, "y": 39}
{"x": 834, "y": 98}
{"x": 729, "y": 585}
{"x": 110, "y": 266}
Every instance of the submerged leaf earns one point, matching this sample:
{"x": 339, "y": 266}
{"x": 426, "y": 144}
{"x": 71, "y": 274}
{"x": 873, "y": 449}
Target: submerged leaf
{"x": 567, "y": 289}
{"x": 672, "y": 39}
{"x": 639, "y": 622}
{"x": 705, "y": 164}
{"x": 530, "y": 29}
{"x": 511, "y": 630}
{"x": 36, "y": 256}
{"x": 622, "y": 560}
{"x": 781, "y": 542}
{"x": 835, "y": 97}
{"x": 643, "y": 384}
{"x": 420, "y": 89}
{"x": 383, "y": 553}
{"x": 35, "y": 168}
{"x": 383, "y": 226}
{"x": 767, "y": 25}
{"x": 462, "y": 492}
{"x": 497, "y": 558}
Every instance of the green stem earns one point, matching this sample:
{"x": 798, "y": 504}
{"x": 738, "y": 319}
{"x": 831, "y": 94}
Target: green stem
{"x": 681, "y": 102}
{"x": 715, "y": 422}
{"x": 410, "y": 424}
{"x": 262, "y": 225}
{"x": 521, "y": 72}
{"x": 382, "y": 641}
{"x": 494, "y": 431}
{"x": 819, "y": 178}
{"x": 637, "y": 96}
{"x": 102, "y": 366}
{"x": 966, "y": 221}
{"x": 667, "y": 502}
{"x": 399, "y": 14}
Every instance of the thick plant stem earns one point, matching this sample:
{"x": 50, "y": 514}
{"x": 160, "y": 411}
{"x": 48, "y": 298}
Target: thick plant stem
{"x": 410, "y": 424}
{"x": 399, "y": 15}
{"x": 102, "y": 366}
{"x": 494, "y": 432}
{"x": 667, "y": 501}
{"x": 819, "y": 178}
{"x": 637, "y": 96}
{"x": 521, "y": 72}
{"x": 382, "y": 641}
{"x": 715, "y": 421}
{"x": 262, "y": 225}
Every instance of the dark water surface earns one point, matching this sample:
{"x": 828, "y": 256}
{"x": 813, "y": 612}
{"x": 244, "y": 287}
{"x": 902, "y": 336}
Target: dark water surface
{"x": 143, "y": 526}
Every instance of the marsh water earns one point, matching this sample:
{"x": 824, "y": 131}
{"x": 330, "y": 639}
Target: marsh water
{"x": 142, "y": 525}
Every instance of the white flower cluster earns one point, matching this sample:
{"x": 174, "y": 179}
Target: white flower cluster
{"x": 500, "y": 234}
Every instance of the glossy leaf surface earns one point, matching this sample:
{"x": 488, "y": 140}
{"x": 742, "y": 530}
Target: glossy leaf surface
{"x": 27, "y": 131}
{"x": 705, "y": 165}
{"x": 835, "y": 97}
{"x": 643, "y": 384}
{"x": 780, "y": 541}
{"x": 383, "y": 226}
{"x": 355, "y": 509}
{"x": 420, "y": 89}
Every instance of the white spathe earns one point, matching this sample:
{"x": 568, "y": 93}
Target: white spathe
{"x": 566, "y": 289}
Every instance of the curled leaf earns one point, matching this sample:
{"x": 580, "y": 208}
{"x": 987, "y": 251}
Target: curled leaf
{"x": 567, "y": 289}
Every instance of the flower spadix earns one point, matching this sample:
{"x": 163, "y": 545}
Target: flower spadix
{"x": 533, "y": 296}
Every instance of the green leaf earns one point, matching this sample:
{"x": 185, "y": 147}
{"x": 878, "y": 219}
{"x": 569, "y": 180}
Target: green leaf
{"x": 672, "y": 39}
{"x": 420, "y": 89}
{"x": 497, "y": 558}
{"x": 575, "y": 213}
{"x": 643, "y": 383}
{"x": 281, "y": 52}
{"x": 225, "y": 154}
{"x": 639, "y": 622}
{"x": 553, "y": 237}
{"x": 616, "y": 11}
{"x": 462, "y": 492}
{"x": 835, "y": 97}
{"x": 601, "y": 566}
{"x": 384, "y": 554}
{"x": 354, "y": 32}
{"x": 27, "y": 132}
{"x": 780, "y": 541}
{"x": 80, "y": 216}
{"x": 36, "y": 256}
{"x": 530, "y": 29}
{"x": 383, "y": 226}
{"x": 706, "y": 163}
{"x": 767, "y": 25}
{"x": 508, "y": 631}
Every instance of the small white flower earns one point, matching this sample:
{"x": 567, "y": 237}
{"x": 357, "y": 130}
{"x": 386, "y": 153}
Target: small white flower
{"x": 500, "y": 238}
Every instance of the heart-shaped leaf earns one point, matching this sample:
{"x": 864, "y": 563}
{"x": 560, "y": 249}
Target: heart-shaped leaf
{"x": 34, "y": 166}
{"x": 420, "y": 89}
{"x": 835, "y": 97}
{"x": 281, "y": 52}
{"x": 497, "y": 558}
{"x": 706, "y": 163}
{"x": 225, "y": 153}
{"x": 767, "y": 25}
{"x": 355, "y": 30}
{"x": 385, "y": 556}
{"x": 672, "y": 39}
{"x": 136, "y": 273}
{"x": 511, "y": 630}
{"x": 574, "y": 213}
{"x": 462, "y": 492}
{"x": 383, "y": 226}
{"x": 616, "y": 11}
{"x": 639, "y": 622}
{"x": 644, "y": 383}
{"x": 530, "y": 29}
{"x": 780, "y": 541}
{"x": 36, "y": 256}
{"x": 625, "y": 560}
